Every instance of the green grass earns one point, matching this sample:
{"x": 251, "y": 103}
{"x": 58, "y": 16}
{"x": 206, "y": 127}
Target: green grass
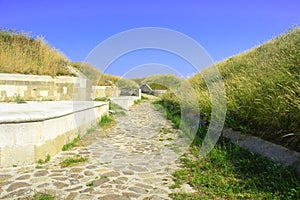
{"x": 229, "y": 172}
{"x": 73, "y": 160}
{"x": 106, "y": 121}
{"x": 91, "y": 184}
{"x": 71, "y": 144}
{"x": 263, "y": 90}
{"x": 137, "y": 101}
{"x": 144, "y": 98}
{"x": 47, "y": 159}
{"x": 40, "y": 196}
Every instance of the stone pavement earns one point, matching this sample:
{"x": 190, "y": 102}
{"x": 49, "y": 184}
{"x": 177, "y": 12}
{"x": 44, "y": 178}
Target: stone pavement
{"x": 132, "y": 160}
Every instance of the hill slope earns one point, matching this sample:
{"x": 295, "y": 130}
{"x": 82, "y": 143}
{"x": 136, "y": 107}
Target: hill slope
{"x": 263, "y": 90}
{"x": 20, "y": 53}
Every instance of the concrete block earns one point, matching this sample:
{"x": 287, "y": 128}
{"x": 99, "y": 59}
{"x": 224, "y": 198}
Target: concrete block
{"x": 17, "y": 155}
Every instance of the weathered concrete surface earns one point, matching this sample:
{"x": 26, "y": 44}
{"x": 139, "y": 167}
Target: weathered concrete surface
{"x": 34, "y": 87}
{"x": 30, "y": 131}
{"x": 158, "y": 92}
{"x": 273, "y": 152}
{"x": 125, "y": 102}
{"x": 132, "y": 160}
{"x": 104, "y": 92}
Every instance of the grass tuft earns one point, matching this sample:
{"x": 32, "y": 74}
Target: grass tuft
{"x": 72, "y": 144}
{"x": 73, "y": 160}
{"x": 106, "y": 121}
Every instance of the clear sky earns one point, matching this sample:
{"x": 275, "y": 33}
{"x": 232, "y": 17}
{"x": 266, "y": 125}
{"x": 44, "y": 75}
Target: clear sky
{"x": 222, "y": 27}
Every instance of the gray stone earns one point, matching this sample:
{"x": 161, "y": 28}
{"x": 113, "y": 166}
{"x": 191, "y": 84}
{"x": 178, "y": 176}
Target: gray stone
{"x": 17, "y": 185}
{"x": 74, "y": 189}
{"x": 71, "y": 196}
{"x": 138, "y": 190}
{"x": 113, "y": 197}
{"x": 88, "y": 173}
{"x": 60, "y": 185}
{"x": 111, "y": 174}
{"x": 40, "y": 173}
{"x": 23, "y": 177}
{"x": 99, "y": 182}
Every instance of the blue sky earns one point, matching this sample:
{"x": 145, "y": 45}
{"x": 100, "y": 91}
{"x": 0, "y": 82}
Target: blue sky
{"x": 223, "y": 28}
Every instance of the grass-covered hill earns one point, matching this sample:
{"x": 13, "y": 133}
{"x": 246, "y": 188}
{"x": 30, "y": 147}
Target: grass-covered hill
{"x": 158, "y": 81}
{"x": 20, "y": 53}
{"x": 263, "y": 90}
{"x": 92, "y": 73}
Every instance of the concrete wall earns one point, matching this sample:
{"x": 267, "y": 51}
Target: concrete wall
{"x": 158, "y": 92}
{"x": 32, "y": 87}
{"x": 26, "y": 137}
{"x": 124, "y": 102}
{"x": 104, "y": 92}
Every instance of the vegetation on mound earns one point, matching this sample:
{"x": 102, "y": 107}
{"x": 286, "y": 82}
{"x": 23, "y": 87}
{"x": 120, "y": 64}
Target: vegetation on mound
{"x": 229, "y": 172}
{"x": 23, "y": 54}
{"x": 159, "y": 81}
{"x": 262, "y": 88}
{"x": 95, "y": 75}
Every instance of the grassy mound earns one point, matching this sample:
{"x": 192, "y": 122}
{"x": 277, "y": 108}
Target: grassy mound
{"x": 159, "y": 81}
{"x": 263, "y": 90}
{"x": 95, "y": 75}
{"x": 20, "y": 53}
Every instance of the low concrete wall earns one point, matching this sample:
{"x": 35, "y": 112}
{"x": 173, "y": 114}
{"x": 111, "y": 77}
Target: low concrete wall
{"x": 124, "y": 102}
{"x": 33, "y": 87}
{"x": 158, "y": 92}
{"x": 28, "y": 132}
{"x": 104, "y": 92}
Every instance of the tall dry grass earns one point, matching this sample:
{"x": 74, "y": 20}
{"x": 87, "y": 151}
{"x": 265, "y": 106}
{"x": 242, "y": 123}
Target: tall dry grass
{"x": 95, "y": 75}
{"x": 20, "y": 53}
{"x": 263, "y": 90}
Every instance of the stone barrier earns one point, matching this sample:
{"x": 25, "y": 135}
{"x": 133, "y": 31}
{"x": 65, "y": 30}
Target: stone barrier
{"x": 31, "y": 131}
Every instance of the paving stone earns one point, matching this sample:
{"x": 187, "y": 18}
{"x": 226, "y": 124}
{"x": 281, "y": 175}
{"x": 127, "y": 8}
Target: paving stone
{"x": 21, "y": 192}
{"x": 60, "y": 185}
{"x": 91, "y": 167}
{"x": 138, "y": 190}
{"x": 111, "y": 174}
{"x": 128, "y": 172}
{"x": 76, "y": 170}
{"x": 87, "y": 190}
{"x": 86, "y": 197}
{"x": 130, "y": 195}
{"x": 100, "y": 181}
{"x": 43, "y": 185}
{"x": 40, "y": 173}
{"x": 88, "y": 173}
{"x": 72, "y": 196}
{"x": 17, "y": 185}
{"x": 144, "y": 186}
{"x": 113, "y": 197}
{"x": 129, "y": 155}
{"x": 138, "y": 168}
{"x": 74, "y": 189}
{"x": 76, "y": 176}
{"x": 5, "y": 176}
{"x": 60, "y": 178}
{"x": 23, "y": 177}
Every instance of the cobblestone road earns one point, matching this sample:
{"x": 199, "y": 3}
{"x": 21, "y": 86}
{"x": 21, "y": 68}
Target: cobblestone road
{"x": 132, "y": 160}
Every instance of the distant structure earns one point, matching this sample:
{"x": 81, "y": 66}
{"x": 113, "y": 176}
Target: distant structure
{"x": 145, "y": 88}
